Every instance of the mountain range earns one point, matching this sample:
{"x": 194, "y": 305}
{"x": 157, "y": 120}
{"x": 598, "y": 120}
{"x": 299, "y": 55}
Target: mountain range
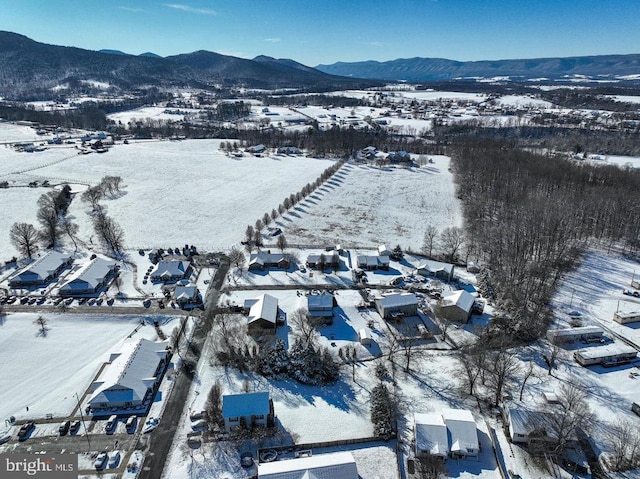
{"x": 439, "y": 69}
{"x": 27, "y": 65}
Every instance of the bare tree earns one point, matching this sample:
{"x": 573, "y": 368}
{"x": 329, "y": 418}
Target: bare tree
{"x": 259, "y": 225}
{"x": 430, "y": 467}
{"x": 71, "y": 229}
{"x": 623, "y": 439}
{"x": 266, "y": 219}
{"x": 214, "y": 405}
{"x": 109, "y": 232}
{"x": 41, "y": 322}
{"x": 573, "y": 413}
{"x": 237, "y": 257}
{"x": 430, "y": 235}
{"x": 451, "y": 239}
{"x": 281, "y": 242}
{"x": 93, "y": 195}
{"x": 472, "y": 362}
{"x": 50, "y": 232}
{"x": 528, "y": 372}
{"x": 502, "y": 365}
{"x": 550, "y": 358}
{"x": 304, "y": 326}
{"x": 274, "y": 214}
{"x": 24, "y": 237}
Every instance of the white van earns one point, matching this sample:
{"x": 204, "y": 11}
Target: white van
{"x": 112, "y": 422}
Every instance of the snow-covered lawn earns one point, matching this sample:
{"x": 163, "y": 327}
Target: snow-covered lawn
{"x": 44, "y": 372}
{"x": 365, "y": 205}
{"x": 153, "y": 113}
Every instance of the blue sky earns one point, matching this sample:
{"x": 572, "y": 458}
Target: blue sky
{"x": 327, "y": 31}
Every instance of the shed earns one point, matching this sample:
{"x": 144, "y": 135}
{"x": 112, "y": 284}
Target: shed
{"x": 365, "y": 337}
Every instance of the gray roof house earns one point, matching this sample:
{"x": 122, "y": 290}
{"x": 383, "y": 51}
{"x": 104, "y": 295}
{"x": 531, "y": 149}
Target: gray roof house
{"x": 320, "y": 305}
{"x": 186, "y": 295}
{"x": 396, "y": 305}
{"x": 268, "y": 260}
{"x": 243, "y": 411}
{"x": 372, "y": 262}
{"x": 42, "y": 270}
{"x": 437, "y": 269}
{"x": 96, "y": 275}
{"x": 457, "y": 306}
{"x": 171, "y": 270}
{"x": 131, "y": 375}
{"x": 263, "y": 312}
{"x": 453, "y": 433}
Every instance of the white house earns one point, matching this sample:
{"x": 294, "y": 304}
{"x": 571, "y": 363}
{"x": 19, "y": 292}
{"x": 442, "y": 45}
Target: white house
{"x": 263, "y": 312}
{"x": 528, "y": 426}
{"x": 395, "y": 305}
{"x": 97, "y": 274}
{"x": 457, "y": 306}
{"x": 131, "y": 375}
{"x": 42, "y": 270}
{"x": 246, "y": 410}
{"x": 335, "y": 465}
{"x": 430, "y": 435}
{"x": 453, "y": 433}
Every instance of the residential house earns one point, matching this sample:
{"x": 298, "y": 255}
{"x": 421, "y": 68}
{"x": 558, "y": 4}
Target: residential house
{"x": 263, "y": 312}
{"x": 371, "y": 262}
{"x": 529, "y": 427}
{"x": 171, "y": 270}
{"x": 42, "y": 271}
{"x": 96, "y": 275}
{"x": 289, "y": 150}
{"x": 187, "y": 295}
{"x": 626, "y": 317}
{"x": 399, "y": 157}
{"x": 131, "y": 376}
{"x": 566, "y": 335}
{"x": 335, "y": 465}
{"x": 611, "y": 355}
{"x": 429, "y": 268}
{"x": 247, "y": 410}
{"x": 256, "y": 149}
{"x": 453, "y": 434}
{"x": 261, "y": 260}
{"x": 330, "y": 258}
{"x": 457, "y": 306}
{"x": 396, "y": 305}
{"x": 321, "y": 306}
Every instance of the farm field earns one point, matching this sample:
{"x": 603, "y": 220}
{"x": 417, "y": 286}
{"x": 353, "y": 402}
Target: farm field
{"x": 365, "y": 205}
{"x": 175, "y": 192}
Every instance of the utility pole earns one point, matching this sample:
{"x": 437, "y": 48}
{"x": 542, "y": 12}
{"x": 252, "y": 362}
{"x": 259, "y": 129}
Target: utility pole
{"x": 86, "y": 433}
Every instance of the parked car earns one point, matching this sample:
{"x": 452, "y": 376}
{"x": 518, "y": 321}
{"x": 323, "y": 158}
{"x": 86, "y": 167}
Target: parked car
{"x": 25, "y": 430}
{"x": 131, "y": 422}
{"x": 101, "y": 460}
{"x": 75, "y": 426}
{"x": 64, "y": 427}
{"x": 114, "y": 460}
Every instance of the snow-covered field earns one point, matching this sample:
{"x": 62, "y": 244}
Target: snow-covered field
{"x": 152, "y": 113}
{"x": 365, "y": 205}
{"x": 175, "y": 193}
{"x": 44, "y": 372}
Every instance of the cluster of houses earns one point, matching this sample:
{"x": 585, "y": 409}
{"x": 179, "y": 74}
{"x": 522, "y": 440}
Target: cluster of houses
{"x": 452, "y": 433}
{"x": 373, "y": 155}
{"x": 90, "y": 279}
{"x": 178, "y": 272}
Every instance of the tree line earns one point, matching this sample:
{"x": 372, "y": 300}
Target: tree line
{"x": 530, "y": 217}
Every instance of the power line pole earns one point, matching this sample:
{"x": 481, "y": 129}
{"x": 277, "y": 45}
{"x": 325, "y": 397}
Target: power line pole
{"x": 86, "y": 433}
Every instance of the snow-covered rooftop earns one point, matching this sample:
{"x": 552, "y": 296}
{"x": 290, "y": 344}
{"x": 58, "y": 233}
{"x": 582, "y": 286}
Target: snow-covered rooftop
{"x": 606, "y": 351}
{"x": 91, "y": 276}
{"x": 431, "y": 434}
{"x": 460, "y": 298}
{"x": 170, "y": 269}
{"x": 337, "y": 465}
{"x": 265, "y": 308}
{"x": 395, "y": 300}
{"x": 462, "y": 429}
{"x": 131, "y": 372}
{"x": 247, "y": 404}
{"x": 42, "y": 268}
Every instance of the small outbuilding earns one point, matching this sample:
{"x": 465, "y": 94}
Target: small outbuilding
{"x": 365, "y": 337}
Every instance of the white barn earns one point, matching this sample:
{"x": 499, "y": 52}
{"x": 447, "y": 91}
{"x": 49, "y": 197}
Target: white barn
{"x": 131, "y": 376}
